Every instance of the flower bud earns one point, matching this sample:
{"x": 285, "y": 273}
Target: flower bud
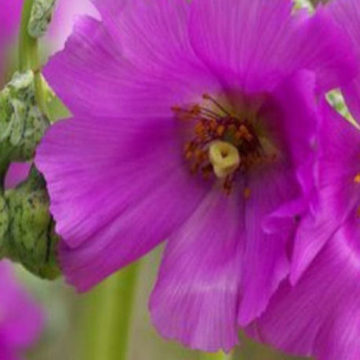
{"x": 40, "y": 17}
{"x": 22, "y": 124}
{"x": 31, "y": 237}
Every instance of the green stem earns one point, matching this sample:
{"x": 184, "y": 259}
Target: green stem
{"x": 29, "y": 58}
{"x": 28, "y": 46}
{"x": 218, "y": 356}
{"x": 107, "y": 316}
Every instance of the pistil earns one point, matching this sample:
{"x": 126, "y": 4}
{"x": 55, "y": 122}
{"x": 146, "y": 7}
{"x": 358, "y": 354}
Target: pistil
{"x": 224, "y": 157}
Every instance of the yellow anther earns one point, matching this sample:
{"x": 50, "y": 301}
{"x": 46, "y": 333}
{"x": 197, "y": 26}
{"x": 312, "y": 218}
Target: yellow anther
{"x": 357, "y": 178}
{"x": 212, "y": 125}
{"x": 220, "y": 130}
{"x": 232, "y": 128}
{"x": 195, "y": 110}
{"x": 176, "y": 108}
{"x": 206, "y": 172}
{"x": 187, "y": 146}
{"x": 200, "y": 130}
{"x": 194, "y": 168}
{"x": 247, "y": 193}
{"x": 224, "y": 157}
{"x": 200, "y": 155}
{"x": 188, "y": 155}
{"x": 238, "y": 135}
{"x": 244, "y": 132}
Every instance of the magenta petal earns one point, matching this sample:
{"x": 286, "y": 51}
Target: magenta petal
{"x": 153, "y": 34}
{"x": 347, "y": 14}
{"x": 9, "y": 19}
{"x": 197, "y": 293}
{"x": 337, "y": 193}
{"x": 284, "y": 43}
{"x": 22, "y": 320}
{"x": 351, "y": 94}
{"x": 328, "y": 53}
{"x": 7, "y": 353}
{"x": 99, "y": 79}
{"x": 86, "y": 57}
{"x": 320, "y": 315}
{"x": 279, "y": 192}
{"x": 139, "y": 165}
{"x": 63, "y": 21}
{"x": 16, "y": 173}
{"x": 265, "y": 259}
{"x": 296, "y": 114}
{"x": 257, "y": 22}
{"x": 313, "y": 233}
{"x": 9, "y": 23}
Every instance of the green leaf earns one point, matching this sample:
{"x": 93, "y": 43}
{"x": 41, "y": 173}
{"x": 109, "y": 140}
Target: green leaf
{"x": 22, "y": 124}
{"x": 40, "y": 17}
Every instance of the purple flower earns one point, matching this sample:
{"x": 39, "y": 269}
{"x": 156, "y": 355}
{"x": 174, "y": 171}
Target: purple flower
{"x": 330, "y": 207}
{"x": 193, "y": 122}
{"x": 21, "y": 320}
{"x": 317, "y": 313}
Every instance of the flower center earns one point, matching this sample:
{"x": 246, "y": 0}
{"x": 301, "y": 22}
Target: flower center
{"x": 221, "y": 145}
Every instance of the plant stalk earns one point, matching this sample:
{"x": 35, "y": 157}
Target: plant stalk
{"x": 29, "y": 58}
{"x": 107, "y": 317}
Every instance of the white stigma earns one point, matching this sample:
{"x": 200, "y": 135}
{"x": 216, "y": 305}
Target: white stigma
{"x": 224, "y": 157}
